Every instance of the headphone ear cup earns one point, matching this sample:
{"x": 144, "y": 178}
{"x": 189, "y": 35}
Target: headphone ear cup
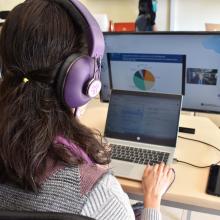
{"x": 73, "y": 79}
{"x": 93, "y": 87}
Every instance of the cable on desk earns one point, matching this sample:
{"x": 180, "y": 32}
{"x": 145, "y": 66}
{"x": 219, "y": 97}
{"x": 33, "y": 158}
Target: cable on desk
{"x": 181, "y": 161}
{"x": 174, "y": 177}
{"x": 199, "y": 142}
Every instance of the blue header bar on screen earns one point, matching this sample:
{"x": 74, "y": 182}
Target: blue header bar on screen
{"x": 160, "y": 58}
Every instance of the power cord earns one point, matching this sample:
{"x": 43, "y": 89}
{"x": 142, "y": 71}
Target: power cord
{"x": 180, "y": 161}
{"x": 199, "y": 142}
{"x": 174, "y": 177}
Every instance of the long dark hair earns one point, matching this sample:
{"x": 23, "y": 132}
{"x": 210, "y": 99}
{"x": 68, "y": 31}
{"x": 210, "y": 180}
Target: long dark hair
{"x": 38, "y": 35}
{"x": 145, "y": 7}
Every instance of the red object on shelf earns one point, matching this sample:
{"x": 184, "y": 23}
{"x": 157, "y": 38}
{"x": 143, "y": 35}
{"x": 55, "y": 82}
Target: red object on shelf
{"x": 124, "y": 26}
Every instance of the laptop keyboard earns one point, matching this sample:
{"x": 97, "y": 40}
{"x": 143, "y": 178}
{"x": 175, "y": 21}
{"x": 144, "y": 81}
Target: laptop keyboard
{"x": 138, "y": 155}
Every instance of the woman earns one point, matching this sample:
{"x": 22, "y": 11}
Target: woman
{"x": 49, "y": 161}
{"x": 147, "y": 15}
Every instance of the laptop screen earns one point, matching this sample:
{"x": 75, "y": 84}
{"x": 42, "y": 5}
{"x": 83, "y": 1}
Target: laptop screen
{"x": 143, "y": 117}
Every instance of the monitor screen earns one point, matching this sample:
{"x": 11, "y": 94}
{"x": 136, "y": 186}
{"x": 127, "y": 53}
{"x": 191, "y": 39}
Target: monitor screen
{"x": 147, "y": 72}
{"x": 167, "y": 62}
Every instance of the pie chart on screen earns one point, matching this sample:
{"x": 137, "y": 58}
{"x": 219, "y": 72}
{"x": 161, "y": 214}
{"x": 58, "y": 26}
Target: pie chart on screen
{"x": 144, "y": 79}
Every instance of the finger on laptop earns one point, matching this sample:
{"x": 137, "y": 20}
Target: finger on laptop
{"x": 156, "y": 167}
{"x": 166, "y": 169}
{"x": 161, "y": 167}
{"x": 147, "y": 169}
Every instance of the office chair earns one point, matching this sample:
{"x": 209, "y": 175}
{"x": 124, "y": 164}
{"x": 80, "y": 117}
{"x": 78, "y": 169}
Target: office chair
{"x": 25, "y": 215}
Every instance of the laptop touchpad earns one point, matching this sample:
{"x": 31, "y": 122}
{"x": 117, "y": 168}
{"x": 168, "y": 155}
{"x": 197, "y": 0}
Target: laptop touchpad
{"x": 121, "y": 168}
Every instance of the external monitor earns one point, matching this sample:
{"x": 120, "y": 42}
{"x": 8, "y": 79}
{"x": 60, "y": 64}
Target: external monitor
{"x": 185, "y": 63}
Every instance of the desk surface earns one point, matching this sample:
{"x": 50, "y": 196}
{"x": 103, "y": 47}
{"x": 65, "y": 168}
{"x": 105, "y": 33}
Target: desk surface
{"x": 190, "y": 184}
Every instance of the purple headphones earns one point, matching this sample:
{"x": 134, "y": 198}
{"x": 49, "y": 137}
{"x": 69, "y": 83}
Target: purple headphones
{"x": 78, "y": 79}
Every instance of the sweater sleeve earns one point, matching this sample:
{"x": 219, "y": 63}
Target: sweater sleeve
{"x": 107, "y": 201}
{"x": 150, "y": 214}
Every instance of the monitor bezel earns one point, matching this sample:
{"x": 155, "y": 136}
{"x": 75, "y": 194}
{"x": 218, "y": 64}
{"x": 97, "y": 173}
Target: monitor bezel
{"x": 169, "y": 33}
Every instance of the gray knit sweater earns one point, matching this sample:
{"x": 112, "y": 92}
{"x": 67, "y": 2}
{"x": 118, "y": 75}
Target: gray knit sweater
{"x": 64, "y": 192}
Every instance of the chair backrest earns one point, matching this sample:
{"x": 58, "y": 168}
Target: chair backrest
{"x": 212, "y": 27}
{"x": 24, "y": 215}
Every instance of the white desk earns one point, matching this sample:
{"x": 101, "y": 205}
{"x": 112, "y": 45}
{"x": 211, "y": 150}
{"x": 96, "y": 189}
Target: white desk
{"x": 188, "y": 191}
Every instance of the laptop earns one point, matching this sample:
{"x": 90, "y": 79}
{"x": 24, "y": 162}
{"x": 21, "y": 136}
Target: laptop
{"x": 142, "y": 129}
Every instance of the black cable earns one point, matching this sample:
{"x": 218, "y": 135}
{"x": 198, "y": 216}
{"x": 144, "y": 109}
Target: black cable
{"x": 199, "y": 142}
{"x": 174, "y": 177}
{"x": 180, "y": 161}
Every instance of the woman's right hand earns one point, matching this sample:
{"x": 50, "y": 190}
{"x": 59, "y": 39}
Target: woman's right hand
{"x": 156, "y": 179}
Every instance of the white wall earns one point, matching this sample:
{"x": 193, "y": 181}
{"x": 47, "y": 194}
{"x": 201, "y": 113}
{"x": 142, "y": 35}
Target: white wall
{"x": 117, "y": 10}
{"x": 186, "y": 14}
{"x": 127, "y": 10}
{"x": 191, "y": 15}
{"x": 8, "y": 4}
